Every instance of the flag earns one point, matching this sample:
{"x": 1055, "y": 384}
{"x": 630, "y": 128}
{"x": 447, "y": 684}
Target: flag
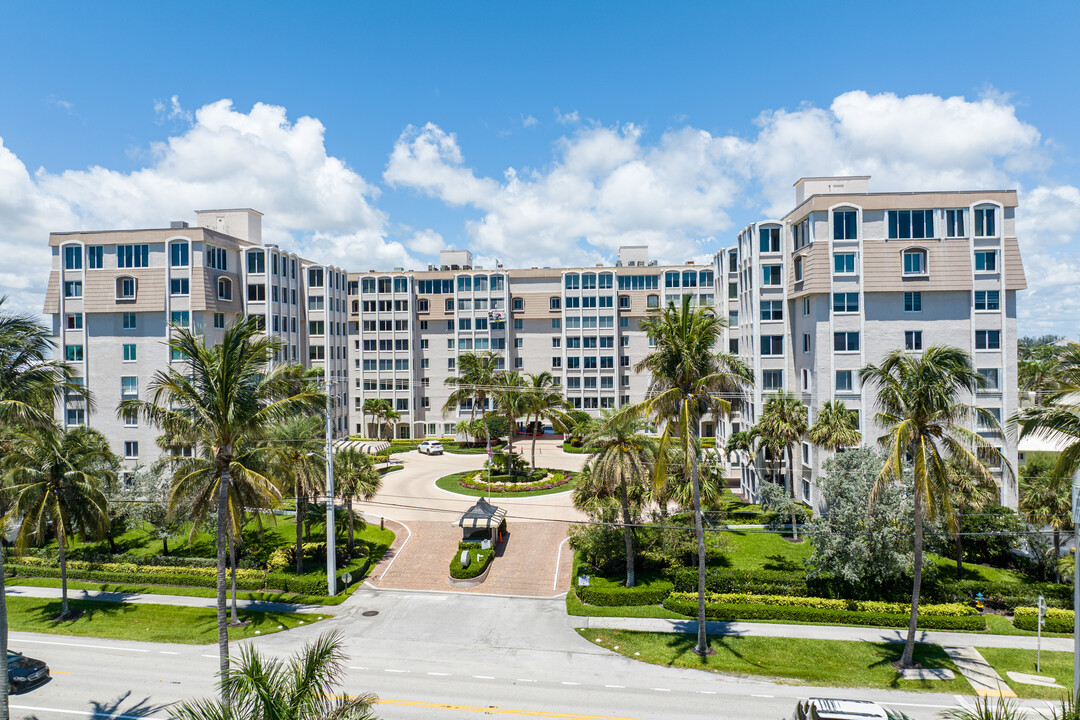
{"x": 491, "y": 455}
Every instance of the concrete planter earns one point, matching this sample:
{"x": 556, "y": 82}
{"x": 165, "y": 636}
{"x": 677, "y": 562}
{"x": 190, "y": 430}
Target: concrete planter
{"x": 471, "y": 582}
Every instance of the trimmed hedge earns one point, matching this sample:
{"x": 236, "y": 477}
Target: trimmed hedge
{"x": 1003, "y": 595}
{"x": 758, "y": 582}
{"x": 652, "y": 594}
{"x": 731, "y": 612}
{"x": 876, "y": 606}
{"x": 480, "y": 562}
{"x": 1057, "y": 620}
{"x": 575, "y": 449}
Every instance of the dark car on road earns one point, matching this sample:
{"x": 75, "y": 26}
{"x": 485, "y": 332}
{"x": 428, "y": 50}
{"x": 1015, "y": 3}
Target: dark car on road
{"x": 25, "y": 672}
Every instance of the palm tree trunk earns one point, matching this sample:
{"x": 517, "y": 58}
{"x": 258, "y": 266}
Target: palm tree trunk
{"x": 4, "y": 687}
{"x": 907, "y": 659}
{"x": 164, "y": 544}
{"x": 628, "y": 534}
{"x": 299, "y": 531}
{"x": 1057, "y": 556}
{"x": 62, "y": 552}
{"x": 959, "y": 543}
{"x": 702, "y": 648}
{"x": 534, "y": 424}
{"x": 791, "y": 493}
{"x": 223, "y": 628}
{"x": 232, "y": 567}
{"x": 349, "y": 509}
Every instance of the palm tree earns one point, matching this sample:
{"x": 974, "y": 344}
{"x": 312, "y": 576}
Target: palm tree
{"x": 836, "y": 427}
{"x": 56, "y": 479}
{"x": 621, "y": 463}
{"x": 970, "y": 492}
{"x": 31, "y": 381}
{"x": 356, "y": 475}
{"x": 298, "y": 458}
{"x": 1038, "y": 374}
{"x": 222, "y": 399}
{"x": 304, "y": 688}
{"x": 544, "y": 400}
{"x": 783, "y": 419}
{"x": 389, "y": 416}
{"x": 1045, "y": 500}
{"x": 689, "y": 378}
{"x": 476, "y": 375}
{"x": 374, "y": 408}
{"x": 510, "y": 397}
{"x": 921, "y": 408}
{"x": 1058, "y": 418}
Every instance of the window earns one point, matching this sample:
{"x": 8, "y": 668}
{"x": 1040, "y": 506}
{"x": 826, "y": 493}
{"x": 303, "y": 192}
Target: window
{"x": 131, "y": 419}
{"x": 639, "y": 282}
{"x": 732, "y": 290}
{"x": 555, "y": 303}
{"x": 989, "y": 379}
{"x": 770, "y": 275}
{"x": 987, "y": 300}
{"x": 76, "y": 416}
{"x": 73, "y": 322}
{"x": 798, "y": 269}
{"x": 315, "y": 278}
{"x": 131, "y": 449}
{"x": 179, "y": 286}
{"x": 132, "y": 256}
{"x": 913, "y": 302}
{"x": 806, "y": 342}
{"x": 844, "y": 381}
{"x": 987, "y": 339}
{"x": 178, "y": 254}
{"x": 129, "y": 385}
{"x": 913, "y": 339}
{"x": 843, "y": 227}
{"x": 984, "y": 222}
{"x": 624, "y": 302}
{"x": 806, "y": 307}
{"x": 954, "y": 224}
{"x": 844, "y": 263}
{"x": 624, "y": 361}
{"x": 129, "y": 321}
{"x": 401, "y": 285}
{"x": 986, "y": 261}
{"x": 845, "y": 302}
{"x": 772, "y": 344}
{"x": 219, "y": 320}
{"x": 216, "y": 258}
{"x": 588, "y": 281}
{"x": 800, "y": 234}
{"x": 73, "y": 353}
{"x": 770, "y": 310}
{"x": 464, "y": 323}
{"x": 73, "y": 257}
{"x": 72, "y": 289}
{"x": 519, "y": 324}
{"x": 572, "y": 281}
{"x": 125, "y": 288}
{"x": 915, "y": 261}
{"x": 770, "y": 239}
{"x": 181, "y": 318}
{"x": 845, "y": 341}
{"x": 772, "y": 379}
{"x": 256, "y": 293}
{"x": 911, "y": 224}
{"x": 316, "y": 327}
{"x": 651, "y": 302}
{"x": 733, "y": 262}
{"x": 129, "y": 352}
{"x": 95, "y": 257}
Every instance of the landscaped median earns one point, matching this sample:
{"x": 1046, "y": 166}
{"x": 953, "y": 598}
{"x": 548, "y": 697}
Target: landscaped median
{"x": 480, "y": 560}
{"x": 475, "y": 483}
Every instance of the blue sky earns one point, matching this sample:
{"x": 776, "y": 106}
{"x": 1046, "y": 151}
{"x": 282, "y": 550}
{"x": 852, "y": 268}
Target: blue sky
{"x": 537, "y": 133}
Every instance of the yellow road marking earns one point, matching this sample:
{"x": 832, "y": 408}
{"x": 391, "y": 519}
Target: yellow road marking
{"x": 59, "y": 672}
{"x": 500, "y": 711}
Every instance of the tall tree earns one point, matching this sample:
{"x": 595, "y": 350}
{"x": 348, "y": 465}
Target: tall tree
{"x": 476, "y": 376}
{"x": 970, "y": 493}
{"x": 923, "y": 409}
{"x": 1058, "y": 418}
{"x": 304, "y": 688}
{"x": 374, "y": 408}
{"x": 836, "y": 427}
{"x": 543, "y": 401}
{"x": 389, "y": 416}
{"x": 621, "y": 464}
{"x": 220, "y": 398}
{"x": 356, "y": 476}
{"x": 298, "y": 449}
{"x": 56, "y": 481}
{"x": 512, "y": 399}
{"x": 784, "y": 420}
{"x": 689, "y": 377}
{"x": 1046, "y": 501}
{"x": 31, "y": 382}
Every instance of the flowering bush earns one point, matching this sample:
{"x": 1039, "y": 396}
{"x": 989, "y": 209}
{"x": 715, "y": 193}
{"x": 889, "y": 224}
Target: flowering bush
{"x": 478, "y": 482}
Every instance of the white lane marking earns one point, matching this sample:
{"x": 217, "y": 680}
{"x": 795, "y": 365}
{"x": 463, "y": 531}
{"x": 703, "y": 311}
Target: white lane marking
{"x": 395, "y": 671}
{"x": 662, "y": 689}
{"x": 524, "y": 680}
{"x": 567, "y": 682}
{"x": 398, "y": 553}
{"x": 85, "y": 713}
{"x": 211, "y": 656}
{"x": 558, "y": 560}
{"x": 439, "y": 674}
{"x": 616, "y": 687}
{"x": 82, "y": 645}
{"x": 959, "y": 698}
{"x": 763, "y": 696}
{"x": 707, "y": 692}
{"x": 484, "y": 677}
{"x": 354, "y": 667}
{"x": 168, "y": 652}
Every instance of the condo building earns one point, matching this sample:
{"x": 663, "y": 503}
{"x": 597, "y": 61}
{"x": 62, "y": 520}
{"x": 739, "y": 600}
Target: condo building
{"x": 848, "y": 276}
{"x": 116, "y": 297}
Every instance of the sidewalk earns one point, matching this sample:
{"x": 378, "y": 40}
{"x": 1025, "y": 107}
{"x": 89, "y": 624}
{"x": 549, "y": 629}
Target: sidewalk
{"x": 151, "y": 599}
{"x": 824, "y": 632}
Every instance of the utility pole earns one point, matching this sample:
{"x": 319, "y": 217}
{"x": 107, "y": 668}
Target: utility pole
{"x": 331, "y": 530}
{"x": 1076, "y": 582}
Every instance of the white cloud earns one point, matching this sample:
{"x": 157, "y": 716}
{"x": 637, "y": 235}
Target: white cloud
{"x": 173, "y": 111}
{"x": 426, "y": 242}
{"x": 64, "y": 105}
{"x": 529, "y": 121}
{"x": 570, "y": 118}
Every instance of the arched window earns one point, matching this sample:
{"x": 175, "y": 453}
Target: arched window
{"x": 179, "y": 254}
{"x": 367, "y": 285}
{"x": 915, "y": 261}
{"x": 480, "y": 283}
{"x": 126, "y": 287}
{"x": 224, "y": 288}
{"x": 985, "y": 221}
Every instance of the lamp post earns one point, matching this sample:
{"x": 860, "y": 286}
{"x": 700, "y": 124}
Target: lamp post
{"x": 331, "y": 530}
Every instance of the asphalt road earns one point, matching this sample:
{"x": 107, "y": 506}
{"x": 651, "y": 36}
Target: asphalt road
{"x": 429, "y": 656}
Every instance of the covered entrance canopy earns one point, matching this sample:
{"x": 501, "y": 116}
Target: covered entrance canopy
{"x": 371, "y": 447}
{"x": 478, "y": 522}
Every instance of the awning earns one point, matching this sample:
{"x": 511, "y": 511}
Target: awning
{"x": 482, "y": 515}
{"x": 371, "y": 447}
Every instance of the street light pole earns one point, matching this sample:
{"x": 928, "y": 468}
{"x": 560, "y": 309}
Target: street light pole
{"x": 331, "y": 530}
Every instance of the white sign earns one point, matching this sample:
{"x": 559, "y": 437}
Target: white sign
{"x": 347, "y": 578}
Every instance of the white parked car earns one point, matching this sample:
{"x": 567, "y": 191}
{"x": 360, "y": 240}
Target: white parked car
{"x": 836, "y": 709}
{"x": 431, "y": 447}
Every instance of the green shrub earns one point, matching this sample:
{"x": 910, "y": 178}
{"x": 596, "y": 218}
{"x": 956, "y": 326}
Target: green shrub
{"x": 1057, "y": 620}
{"x": 183, "y": 577}
{"x": 731, "y": 612}
{"x": 721, "y": 580}
{"x": 1001, "y": 595}
{"x": 480, "y": 561}
{"x": 651, "y": 594}
{"x": 877, "y": 606}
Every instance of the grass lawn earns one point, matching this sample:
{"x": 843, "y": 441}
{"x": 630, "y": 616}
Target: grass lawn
{"x": 450, "y": 483}
{"x": 1058, "y": 665}
{"x": 389, "y": 469}
{"x": 147, "y": 623}
{"x": 751, "y": 550}
{"x": 456, "y": 448}
{"x": 574, "y": 606}
{"x": 983, "y": 573}
{"x": 814, "y": 662}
